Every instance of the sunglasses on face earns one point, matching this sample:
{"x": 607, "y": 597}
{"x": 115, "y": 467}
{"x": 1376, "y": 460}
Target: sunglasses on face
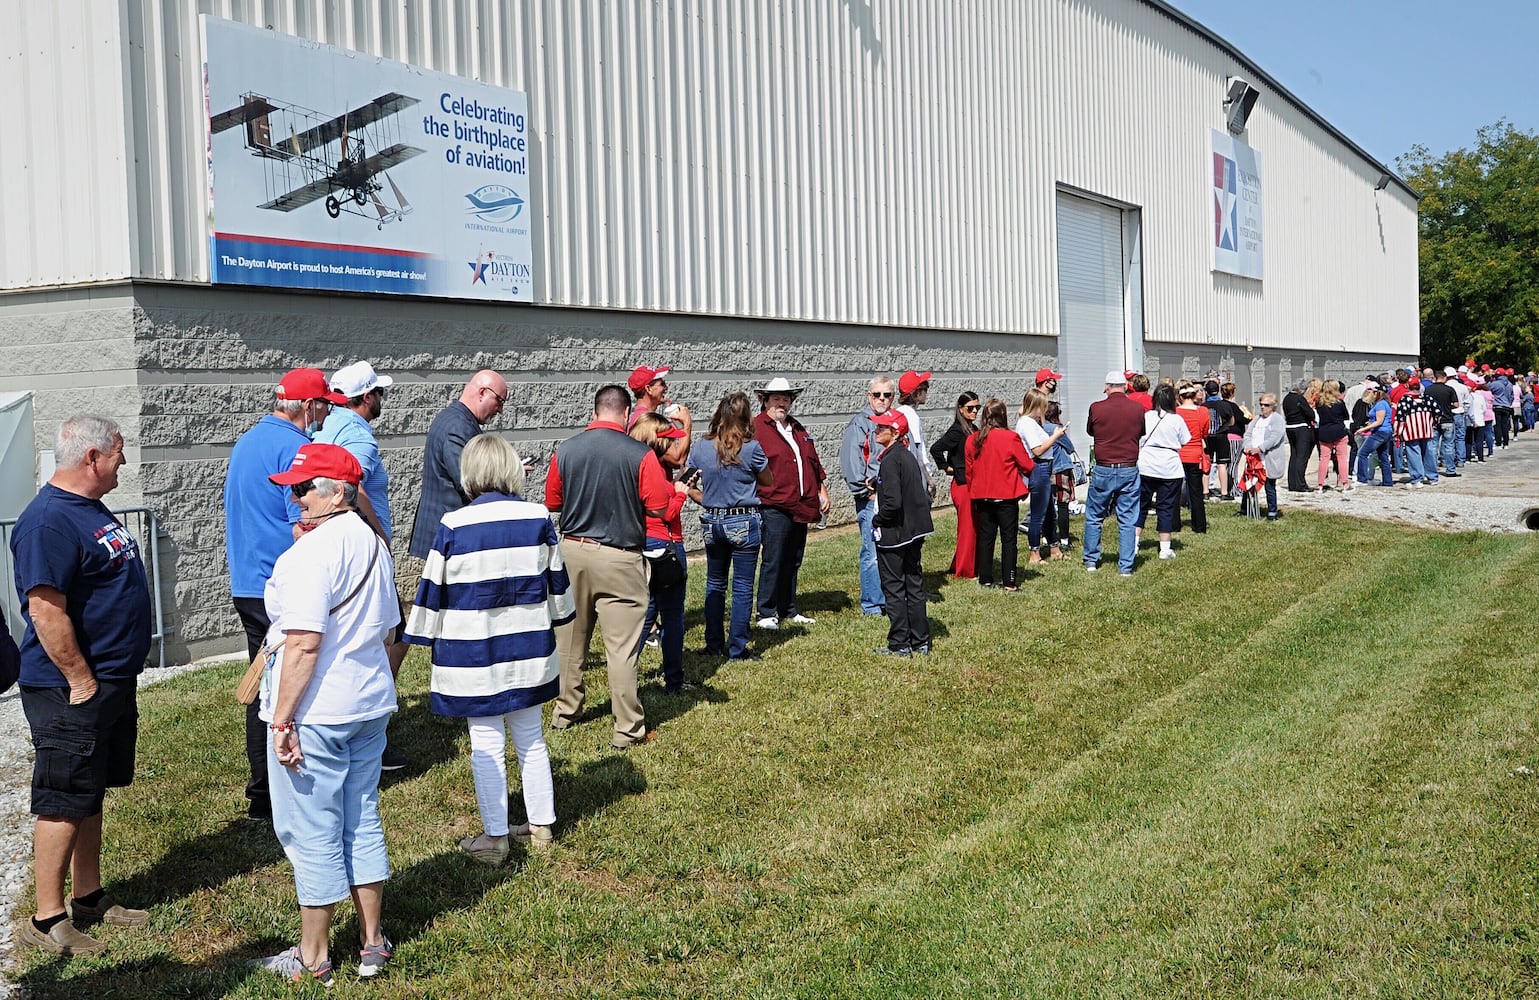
{"x": 881, "y": 395}
{"x": 300, "y": 489}
{"x": 971, "y": 409}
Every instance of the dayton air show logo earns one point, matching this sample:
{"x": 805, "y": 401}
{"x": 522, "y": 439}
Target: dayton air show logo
{"x": 490, "y": 270}
{"x": 1226, "y": 203}
{"x": 495, "y": 203}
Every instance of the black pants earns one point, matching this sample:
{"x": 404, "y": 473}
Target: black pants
{"x": 780, "y": 560}
{"x": 1164, "y": 496}
{"x": 1503, "y": 425}
{"x": 990, "y": 518}
{"x": 1196, "y": 495}
{"x": 1058, "y": 524}
{"x": 253, "y": 618}
{"x": 1301, "y": 445}
{"x": 903, "y": 590}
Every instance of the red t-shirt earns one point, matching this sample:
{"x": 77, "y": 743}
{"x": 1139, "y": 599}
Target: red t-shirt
{"x": 1144, "y": 399}
{"x": 1196, "y": 422}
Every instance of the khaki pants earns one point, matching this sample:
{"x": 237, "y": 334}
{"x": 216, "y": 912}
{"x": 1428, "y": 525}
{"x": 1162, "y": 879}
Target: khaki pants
{"x": 609, "y": 586}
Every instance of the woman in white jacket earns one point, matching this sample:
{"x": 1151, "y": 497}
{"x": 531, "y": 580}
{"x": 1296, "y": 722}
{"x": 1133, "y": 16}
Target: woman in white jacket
{"x": 1159, "y": 466}
{"x": 1265, "y": 437}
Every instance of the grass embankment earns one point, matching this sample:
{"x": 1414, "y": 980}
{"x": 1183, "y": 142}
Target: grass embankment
{"x": 1291, "y": 762}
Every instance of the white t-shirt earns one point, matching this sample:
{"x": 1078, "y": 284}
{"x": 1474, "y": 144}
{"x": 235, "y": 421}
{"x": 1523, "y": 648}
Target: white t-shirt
{"x": 1463, "y": 392}
{"x": 1159, "y": 453}
{"x": 352, "y": 679}
{"x": 1033, "y": 436}
{"x": 916, "y": 443}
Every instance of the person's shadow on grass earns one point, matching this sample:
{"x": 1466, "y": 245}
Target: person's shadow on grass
{"x": 218, "y": 975}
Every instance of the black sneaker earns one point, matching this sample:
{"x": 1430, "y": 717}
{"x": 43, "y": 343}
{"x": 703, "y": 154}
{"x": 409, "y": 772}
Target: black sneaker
{"x": 392, "y": 759}
{"x": 886, "y": 651}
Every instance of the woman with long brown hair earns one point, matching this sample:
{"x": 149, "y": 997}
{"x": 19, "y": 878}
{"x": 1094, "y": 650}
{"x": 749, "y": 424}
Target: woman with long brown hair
{"x": 731, "y": 470}
{"x": 948, "y": 455}
{"x": 997, "y": 467}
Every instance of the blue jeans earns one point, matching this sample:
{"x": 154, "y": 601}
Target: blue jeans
{"x": 1108, "y": 487}
{"x": 731, "y": 542}
{"x": 1040, "y": 485}
{"x": 326, "y": 811}
{"x": 1460, "y": 431}
{"x": 1445, "y": 446}
{"x": 1422, "y": 460}
{"x": 1487, "y": 439}
{"x": 1375, "y": 446}
{"x": 666, "y": 608}
{"x": 871, "y": 600}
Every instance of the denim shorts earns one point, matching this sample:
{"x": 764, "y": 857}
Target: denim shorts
{"x": 82, "y": 750}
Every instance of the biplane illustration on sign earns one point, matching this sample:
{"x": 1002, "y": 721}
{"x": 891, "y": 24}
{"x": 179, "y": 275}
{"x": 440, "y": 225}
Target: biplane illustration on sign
{"x": 313, "y": 150}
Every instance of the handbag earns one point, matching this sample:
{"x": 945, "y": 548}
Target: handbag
{"x": 667, "y": 571}
{"x": 251, "y": 681}
{"x": 1080, "y": 475}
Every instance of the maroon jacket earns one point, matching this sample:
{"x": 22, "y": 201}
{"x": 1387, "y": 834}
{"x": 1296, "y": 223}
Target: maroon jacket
{"x": 799, "y": 499}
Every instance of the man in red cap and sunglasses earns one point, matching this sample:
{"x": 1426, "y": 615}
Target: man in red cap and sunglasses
{"x": 259, "y": 526}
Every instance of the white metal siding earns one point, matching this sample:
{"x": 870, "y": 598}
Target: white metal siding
{"x": 63, "y": 177}
{"x": 892, "y": 162}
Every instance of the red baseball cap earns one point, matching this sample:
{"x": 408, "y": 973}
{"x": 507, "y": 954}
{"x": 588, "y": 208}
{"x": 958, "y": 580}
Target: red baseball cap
{"x": 1044, "y": 374}
{"x": 1128, "y": 374}
{"x": 911, "y": 380}
{"x": 645, "y": 376}
{"x": 307, "y": 383}
{"x": 893, "y": 419}
{"x": 325, "y": 461}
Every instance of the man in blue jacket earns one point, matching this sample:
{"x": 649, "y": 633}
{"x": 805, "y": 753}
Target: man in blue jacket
{"x": 858, "y": 455}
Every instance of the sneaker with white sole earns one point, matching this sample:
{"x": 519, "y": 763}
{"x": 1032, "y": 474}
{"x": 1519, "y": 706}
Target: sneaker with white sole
{"x": 290, "y": 966}
{"x": 769, "y": 624}
{"x": 1167, "y": 554}
{"x": 802, "y": 620}
{"x": 372, "y": 958}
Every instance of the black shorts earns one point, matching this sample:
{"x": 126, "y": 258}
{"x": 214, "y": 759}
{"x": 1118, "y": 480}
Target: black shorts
{"x": 1217, "y": 448}
{"x": 81, "y": 750}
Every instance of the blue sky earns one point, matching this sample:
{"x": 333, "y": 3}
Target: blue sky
{"x": 1393, "y": 74}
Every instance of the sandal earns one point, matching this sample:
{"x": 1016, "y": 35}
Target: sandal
{"x": 1055, "y": 553}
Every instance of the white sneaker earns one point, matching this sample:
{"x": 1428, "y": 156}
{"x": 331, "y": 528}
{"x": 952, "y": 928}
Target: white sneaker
{"x": 770, "y": 624}
{"x": 803, "y": 620}
{"x": 1168, "y": 554}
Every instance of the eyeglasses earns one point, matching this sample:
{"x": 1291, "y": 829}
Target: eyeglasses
{"x": 658, "y": 381}
{"x": 300, "y": 489}
{"x": 501, "y": 400}
{"x": 881, "y": 395}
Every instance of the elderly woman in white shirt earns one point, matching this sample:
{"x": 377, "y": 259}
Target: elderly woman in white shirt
{"x": 1159, "y": 466}
{"x": 326, "y": 695}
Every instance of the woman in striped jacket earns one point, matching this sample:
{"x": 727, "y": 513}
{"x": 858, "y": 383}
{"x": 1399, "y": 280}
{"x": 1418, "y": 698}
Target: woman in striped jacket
{"x": 493, "y": 589}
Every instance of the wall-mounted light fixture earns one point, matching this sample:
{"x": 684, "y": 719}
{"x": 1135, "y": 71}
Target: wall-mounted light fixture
{"x": 1239, "y": 99}
{"x": 1384, "y": 180}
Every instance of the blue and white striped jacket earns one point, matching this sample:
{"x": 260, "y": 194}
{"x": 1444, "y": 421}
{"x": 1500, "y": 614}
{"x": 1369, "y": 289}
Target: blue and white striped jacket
{"x": 492, "y": 591}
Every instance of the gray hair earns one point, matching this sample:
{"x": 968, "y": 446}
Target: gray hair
{"x": 327, "y": 487}
{"x": 490, "y": 464}
{"x": 289, "y": 407}
{"x": 78, "y": 435}
{"x": 878, "y": 380}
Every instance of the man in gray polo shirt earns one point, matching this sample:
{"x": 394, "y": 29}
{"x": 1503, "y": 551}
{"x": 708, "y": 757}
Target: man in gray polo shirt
{"x": 604, "y": 483}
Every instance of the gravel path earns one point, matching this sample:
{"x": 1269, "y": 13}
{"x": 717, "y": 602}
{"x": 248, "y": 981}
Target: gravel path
{"x": 1491, "y": 497}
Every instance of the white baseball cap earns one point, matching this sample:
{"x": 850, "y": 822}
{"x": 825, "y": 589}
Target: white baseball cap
{"x": 359, "y": 378}
{"x": 1116, "y": 377}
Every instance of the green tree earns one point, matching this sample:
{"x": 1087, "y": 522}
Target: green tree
{"x": 1479, "y": 248}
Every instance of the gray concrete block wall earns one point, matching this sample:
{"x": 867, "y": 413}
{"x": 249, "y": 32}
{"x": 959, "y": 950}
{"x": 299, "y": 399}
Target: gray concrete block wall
{"x": 209, "y": 359}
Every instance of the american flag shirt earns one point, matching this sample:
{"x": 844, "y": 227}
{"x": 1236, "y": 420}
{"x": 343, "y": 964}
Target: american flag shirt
{"x": 1416, "y": 418}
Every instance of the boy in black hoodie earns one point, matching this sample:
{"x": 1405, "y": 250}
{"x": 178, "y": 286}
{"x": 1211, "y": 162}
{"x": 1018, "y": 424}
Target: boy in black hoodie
{"x": 901, "y": 523}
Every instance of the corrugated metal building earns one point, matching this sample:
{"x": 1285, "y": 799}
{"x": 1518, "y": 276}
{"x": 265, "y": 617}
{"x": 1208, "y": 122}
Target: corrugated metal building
{"x": 737, "y": 189}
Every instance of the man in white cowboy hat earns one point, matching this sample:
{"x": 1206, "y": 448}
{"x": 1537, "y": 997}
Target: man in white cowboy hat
{"x": 796, "y": 498}
{"x": 347, "y": 425}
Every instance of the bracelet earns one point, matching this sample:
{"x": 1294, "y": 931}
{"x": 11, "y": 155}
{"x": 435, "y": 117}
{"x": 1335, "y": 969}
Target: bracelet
{"x": 283, "y": 727}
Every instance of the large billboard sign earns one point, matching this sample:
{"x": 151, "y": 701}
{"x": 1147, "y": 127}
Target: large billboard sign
{"x": 1235, "y": 173}
{"x": 332, "y": 169}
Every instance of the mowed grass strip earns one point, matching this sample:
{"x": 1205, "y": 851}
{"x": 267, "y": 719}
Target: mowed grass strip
{"x": 1287, "y": 763}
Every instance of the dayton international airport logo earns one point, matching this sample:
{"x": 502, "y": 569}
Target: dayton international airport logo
{"x": 495, "y": 203}
{"x": 1226, "y": 203}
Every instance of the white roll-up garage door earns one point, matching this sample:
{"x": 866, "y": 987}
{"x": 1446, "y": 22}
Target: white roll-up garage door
{"x": 1091, "y": 303}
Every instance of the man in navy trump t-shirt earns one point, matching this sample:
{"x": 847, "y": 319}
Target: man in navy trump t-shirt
{"x": 83, "y": 590}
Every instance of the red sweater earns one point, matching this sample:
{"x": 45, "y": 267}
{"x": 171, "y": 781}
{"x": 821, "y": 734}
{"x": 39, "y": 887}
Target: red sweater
{"x": 997, "y": 472}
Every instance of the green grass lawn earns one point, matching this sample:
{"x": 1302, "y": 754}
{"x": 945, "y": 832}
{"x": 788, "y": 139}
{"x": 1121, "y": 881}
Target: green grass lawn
{"x": 1293, "y": 762}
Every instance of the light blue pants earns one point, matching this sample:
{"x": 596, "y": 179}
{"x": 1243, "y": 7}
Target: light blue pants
{"x": 1112, "y": 489}
{"x": 872, "y": 601}
{"x": 326, "y": 811}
